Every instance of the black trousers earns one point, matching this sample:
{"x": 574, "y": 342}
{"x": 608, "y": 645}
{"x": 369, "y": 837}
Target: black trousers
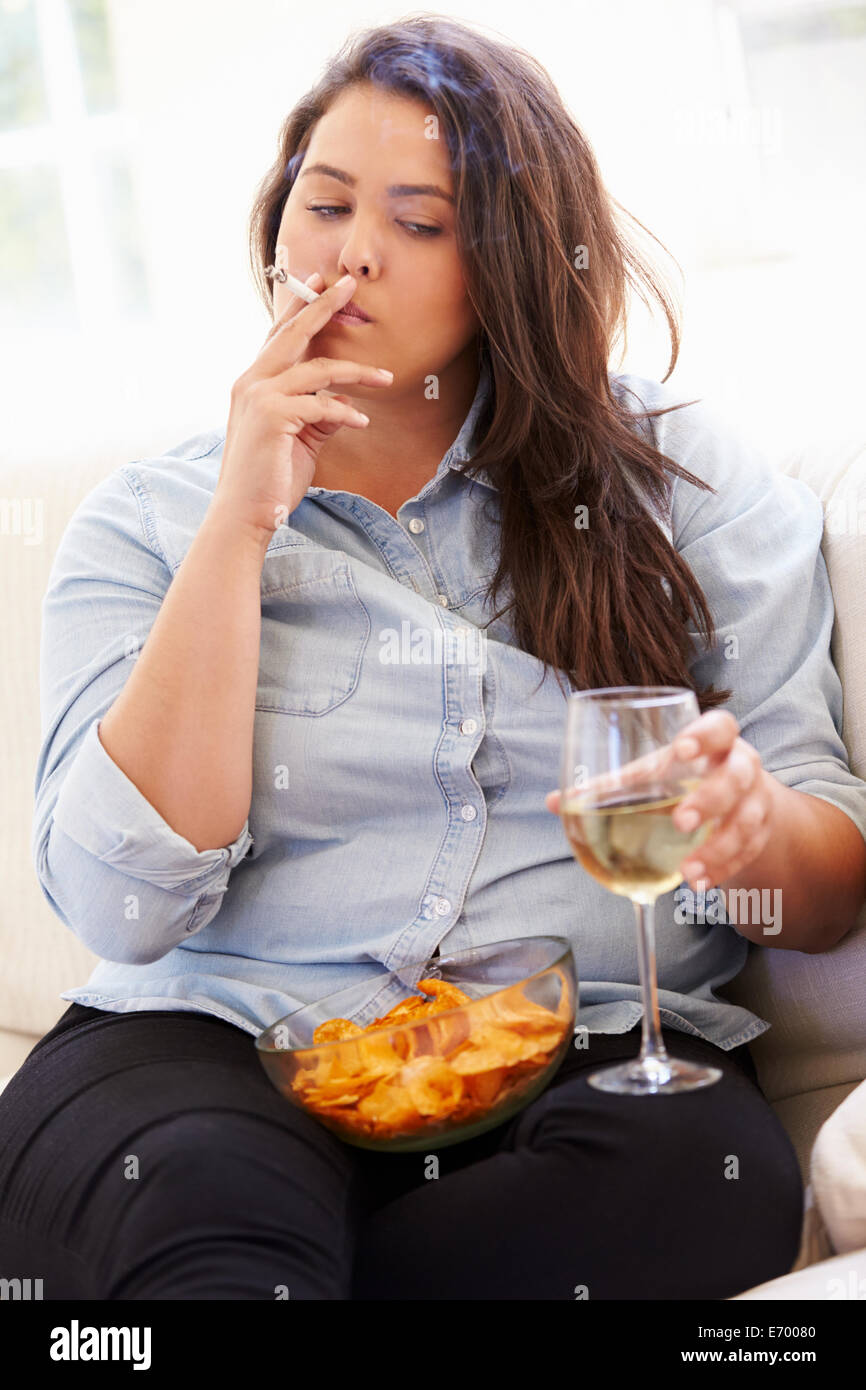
{"x": 147, "y": 1156}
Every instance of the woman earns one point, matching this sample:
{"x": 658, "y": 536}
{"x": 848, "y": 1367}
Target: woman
{"x": 259, "y": 783}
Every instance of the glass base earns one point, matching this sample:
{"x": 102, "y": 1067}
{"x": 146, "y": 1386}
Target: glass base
{"x": 656, "y": 1076}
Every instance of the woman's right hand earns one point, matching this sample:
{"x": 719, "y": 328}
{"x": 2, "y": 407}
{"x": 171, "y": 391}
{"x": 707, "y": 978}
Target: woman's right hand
{"x": 276, "y": 426}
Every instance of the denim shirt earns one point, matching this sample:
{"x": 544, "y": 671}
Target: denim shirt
{"x": 402, "y": 757}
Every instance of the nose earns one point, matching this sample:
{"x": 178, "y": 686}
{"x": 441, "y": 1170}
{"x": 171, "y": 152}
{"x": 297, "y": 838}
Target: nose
{"x": 353, "y": 265}
{"x": 358, "y": 256}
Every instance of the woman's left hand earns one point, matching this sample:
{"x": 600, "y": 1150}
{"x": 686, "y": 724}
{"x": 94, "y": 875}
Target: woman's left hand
{"x": 735, "y": 792}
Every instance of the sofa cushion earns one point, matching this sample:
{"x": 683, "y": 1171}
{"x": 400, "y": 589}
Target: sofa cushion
{"x": 839, "y": 1172}
{"x": 817, "y": 1004}
{"x": 41, "y": 956}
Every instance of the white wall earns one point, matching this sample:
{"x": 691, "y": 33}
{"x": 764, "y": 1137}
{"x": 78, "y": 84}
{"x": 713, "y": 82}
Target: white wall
{"x": 765, "y": 213}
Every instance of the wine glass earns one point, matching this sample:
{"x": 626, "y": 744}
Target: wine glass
{"x": 620, "y": 785}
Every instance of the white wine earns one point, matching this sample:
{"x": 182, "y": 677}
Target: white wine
{"x": 630, "y": 844}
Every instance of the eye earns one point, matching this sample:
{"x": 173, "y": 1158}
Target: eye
{"x": 414, "y": 228}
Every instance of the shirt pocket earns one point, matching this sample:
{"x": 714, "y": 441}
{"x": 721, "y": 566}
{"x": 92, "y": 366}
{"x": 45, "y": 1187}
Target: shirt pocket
{"x": 315, "y": 630}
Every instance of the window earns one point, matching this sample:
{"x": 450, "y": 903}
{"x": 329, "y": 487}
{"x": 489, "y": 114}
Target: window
{"x": 774, "y": 298}
{"x": 72, "y": 258}
{"x": 132, "y": 137}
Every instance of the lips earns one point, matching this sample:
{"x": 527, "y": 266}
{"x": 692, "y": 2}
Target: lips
{"x": 352, "y": 311}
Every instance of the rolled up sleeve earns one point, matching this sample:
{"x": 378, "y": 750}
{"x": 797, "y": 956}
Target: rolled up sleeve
{"x": 755, "y": 549}
{"x": 111, "y": 867}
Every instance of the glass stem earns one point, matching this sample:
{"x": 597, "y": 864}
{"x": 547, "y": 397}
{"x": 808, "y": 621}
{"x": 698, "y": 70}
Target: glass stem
{"x": 652, "y": 1042}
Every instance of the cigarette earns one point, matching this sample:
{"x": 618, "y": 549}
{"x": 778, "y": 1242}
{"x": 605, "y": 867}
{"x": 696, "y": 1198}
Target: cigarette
{"x": 300, "y": 288}
{"x": 279, "y": 272}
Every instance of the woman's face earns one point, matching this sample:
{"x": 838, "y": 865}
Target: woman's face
{"x": 413, "y": 287}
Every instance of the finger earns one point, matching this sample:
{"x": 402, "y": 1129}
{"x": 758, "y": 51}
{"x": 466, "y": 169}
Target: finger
{"x": 294, "y": 330}
{"x": 712, "y": 734}
{"x": 323, "y": 429}
{"x": 657, "y": 766}
{"x": 293, "y": 305}
{"x": 638, "y": 772}
{"x": 720, "y": 792}
{"x": 708, "y": 736}
{"x": 300, "y": 411}
{"x": 346, "y": 400}
{"x": 319, "y": 373}
{"x": 734, "y": 842}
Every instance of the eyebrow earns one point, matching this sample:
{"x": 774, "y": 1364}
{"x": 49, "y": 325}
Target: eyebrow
{"x": 395, "y": 190}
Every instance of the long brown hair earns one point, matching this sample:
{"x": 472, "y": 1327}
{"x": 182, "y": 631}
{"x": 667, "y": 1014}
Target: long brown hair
{"x": 608, "y": 604}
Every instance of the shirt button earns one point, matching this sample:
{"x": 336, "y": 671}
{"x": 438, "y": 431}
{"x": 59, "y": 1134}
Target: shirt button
{"x": 468, "y": 726}
{"x": 468, "y": 812}
{"x": 443, "y": 907}
{"x": 443, "y": 599}
{"x": 416, "y": 525}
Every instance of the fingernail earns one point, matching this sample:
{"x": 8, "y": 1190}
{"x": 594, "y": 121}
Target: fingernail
{"x": 687, "y": 820}
{"x": 310, "y": 278}
{"x": 344, "y": 280}
{"x": 383, "y": 371}
{"x": 687, "y": 747}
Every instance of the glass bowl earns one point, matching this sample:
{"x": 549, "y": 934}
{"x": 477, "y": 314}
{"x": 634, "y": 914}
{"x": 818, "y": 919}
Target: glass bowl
{"x": 440, "y": 1076}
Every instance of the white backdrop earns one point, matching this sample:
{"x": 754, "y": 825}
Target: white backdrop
{"x": 734, "y": 131}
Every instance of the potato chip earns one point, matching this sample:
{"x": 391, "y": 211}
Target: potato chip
{"x": 312, "y": 1068}
{"x": 447, "y": 996}
{"x": 439, "y": 1062}
{"x": 349, "y": 1098}
{"x": 330, "y": 1089}
{"x": 389, "y": 1108}
{"x": 378, "y": 1056}
{"x": 485, "y": 1086}
{"x": 334, "y": 1029}
{"x": 404, "y": 1009}
{"x": 432, "y": 1085}
{"x": 542, "y": 1043}
{"x": 445, "y": 1035}
{"x": 513, "y": 1010}
{"x": 497, "y": 1051}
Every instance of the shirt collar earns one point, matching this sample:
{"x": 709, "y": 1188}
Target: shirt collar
{"x": 467, "y": 440}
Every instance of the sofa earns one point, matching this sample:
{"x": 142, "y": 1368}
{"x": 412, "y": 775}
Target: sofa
{"x": 812, "y": 1061}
